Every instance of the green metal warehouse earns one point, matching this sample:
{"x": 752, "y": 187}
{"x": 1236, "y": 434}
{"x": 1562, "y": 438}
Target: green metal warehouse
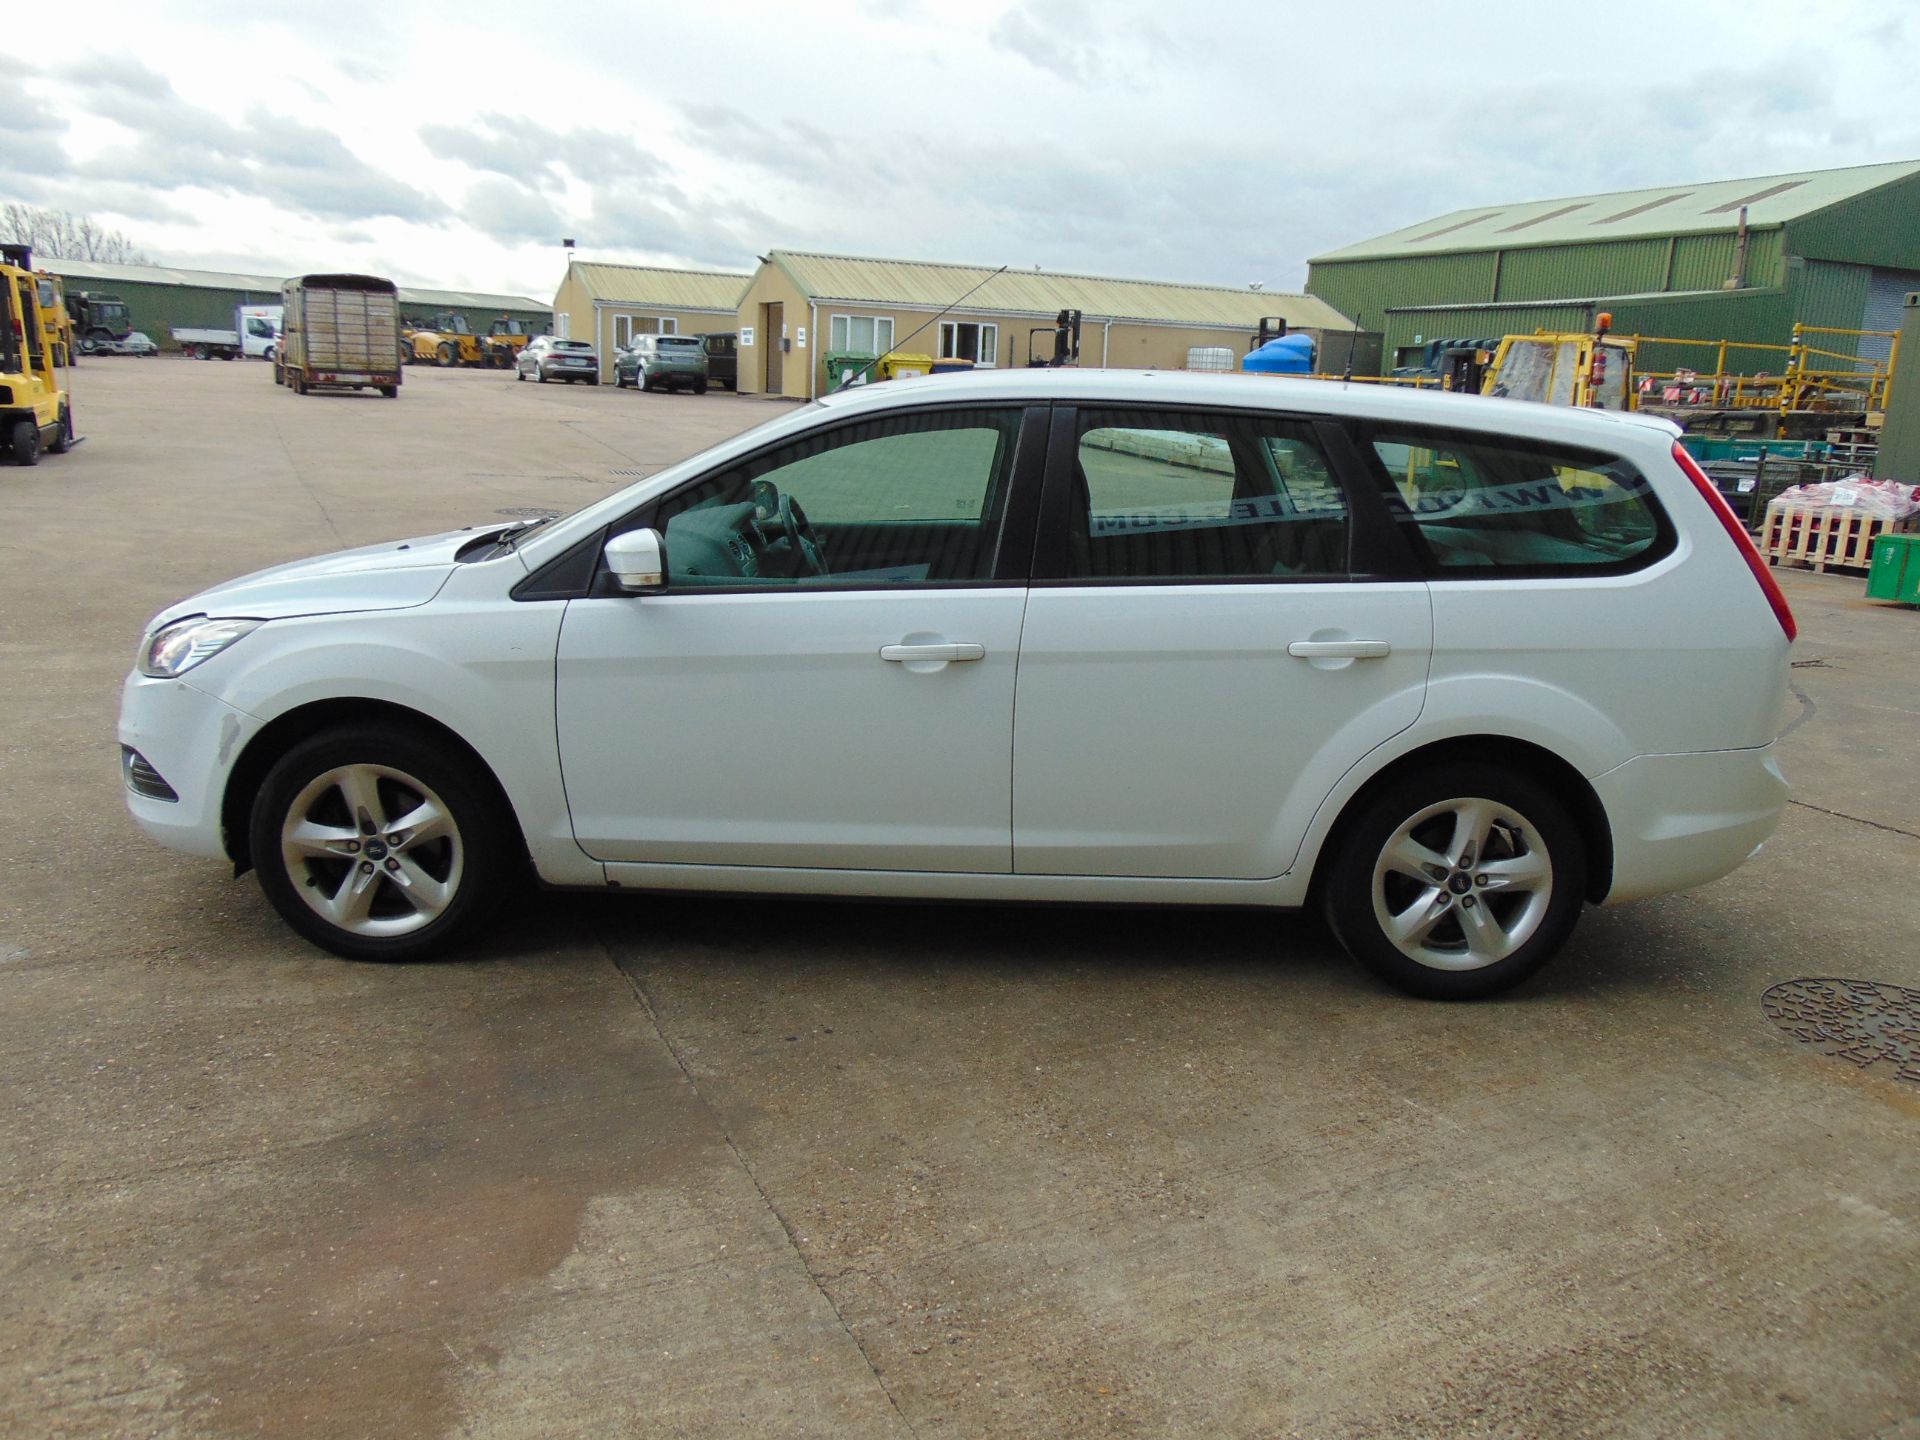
{"x": 1740, "y": 260}
{"x": 161, "y": 297}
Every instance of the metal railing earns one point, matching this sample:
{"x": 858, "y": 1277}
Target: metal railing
{"x": 1811, "y": 377}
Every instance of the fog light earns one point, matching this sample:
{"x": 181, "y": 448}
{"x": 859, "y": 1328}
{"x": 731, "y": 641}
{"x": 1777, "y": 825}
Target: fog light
{"x": 142, "y": 778}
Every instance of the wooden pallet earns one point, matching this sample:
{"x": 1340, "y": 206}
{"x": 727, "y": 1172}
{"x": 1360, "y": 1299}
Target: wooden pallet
{"x": 1825, "y": 537}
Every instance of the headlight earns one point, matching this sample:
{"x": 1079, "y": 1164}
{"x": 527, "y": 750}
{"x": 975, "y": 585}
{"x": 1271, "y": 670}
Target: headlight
{"x": 175, "y": 649}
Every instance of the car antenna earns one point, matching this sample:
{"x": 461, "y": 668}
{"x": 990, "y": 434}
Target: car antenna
{"x": 851, "y": 380}
{"x": 1346, "y": 374}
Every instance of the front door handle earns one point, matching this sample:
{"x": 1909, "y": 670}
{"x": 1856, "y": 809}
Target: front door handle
{"x": 946, "y": 650}
{"x": 1339, "y": 649}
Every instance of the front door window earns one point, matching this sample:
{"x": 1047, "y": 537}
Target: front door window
{"x": 902, "y": 501}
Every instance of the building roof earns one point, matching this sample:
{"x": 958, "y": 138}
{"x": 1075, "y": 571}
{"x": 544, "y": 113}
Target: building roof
{"x": 657, "y": 285}
{"x": 924, "y": 285}
{"x": 1771, "y": 201}
{"x": 227, "y": 280}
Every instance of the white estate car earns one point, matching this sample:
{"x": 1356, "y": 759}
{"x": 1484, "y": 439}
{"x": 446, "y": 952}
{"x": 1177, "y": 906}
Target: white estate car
{"x": 1449, "y": 667}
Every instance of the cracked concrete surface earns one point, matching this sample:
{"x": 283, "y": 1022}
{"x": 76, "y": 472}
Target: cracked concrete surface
{"x": 673, "y": 1166}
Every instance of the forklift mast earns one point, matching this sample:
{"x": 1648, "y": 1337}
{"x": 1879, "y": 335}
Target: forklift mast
{"x": 1066, "y": 341}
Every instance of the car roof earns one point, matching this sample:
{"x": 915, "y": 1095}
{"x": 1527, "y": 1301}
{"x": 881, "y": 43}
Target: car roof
{"x": 1334, "y": 398}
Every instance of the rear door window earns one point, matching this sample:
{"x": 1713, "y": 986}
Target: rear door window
{"x": 1200, "y": 497}
{"x": 1481, "y": 503}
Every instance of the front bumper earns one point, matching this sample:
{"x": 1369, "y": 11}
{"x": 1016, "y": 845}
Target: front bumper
{"x": 1683, "y": 820}
{"x": 192, "y": 740}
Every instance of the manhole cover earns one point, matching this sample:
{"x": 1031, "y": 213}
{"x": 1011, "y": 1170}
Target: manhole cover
{"x": 1854, "y": 1020}
{"x": 529, "y": 512}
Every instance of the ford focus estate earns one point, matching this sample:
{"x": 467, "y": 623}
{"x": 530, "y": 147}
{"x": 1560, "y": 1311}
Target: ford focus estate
{"x": 1448, "y": 668}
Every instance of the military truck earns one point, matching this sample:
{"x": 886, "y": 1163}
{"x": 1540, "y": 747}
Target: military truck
{"x": 98, "y": 319}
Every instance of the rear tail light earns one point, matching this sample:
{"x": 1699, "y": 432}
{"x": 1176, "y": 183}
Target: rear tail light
{"x": 1742, "y": 541}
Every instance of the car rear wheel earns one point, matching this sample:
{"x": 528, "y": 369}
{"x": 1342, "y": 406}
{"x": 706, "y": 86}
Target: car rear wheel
{"x": 699, "y": 387}
{"x": 1458, "y": 882}
{"x": 376, "y": 845}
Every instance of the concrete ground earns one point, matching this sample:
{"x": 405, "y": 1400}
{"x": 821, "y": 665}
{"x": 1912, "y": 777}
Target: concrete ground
{"x": 712, "y": 1167}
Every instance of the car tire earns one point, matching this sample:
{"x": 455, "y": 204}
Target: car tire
{"x": 391, "y": 392}
{"x": 343, "y": 880}
{"x": 519, "y": 374}
{"x": 1457, "y": 882}
{"x": 24, "y": 443}
{"x": 542, "y": 376}
{"x": 699, "y": 387}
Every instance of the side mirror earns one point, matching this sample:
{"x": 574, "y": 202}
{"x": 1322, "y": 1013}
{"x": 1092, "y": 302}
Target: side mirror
{"x": 638, "y": 561}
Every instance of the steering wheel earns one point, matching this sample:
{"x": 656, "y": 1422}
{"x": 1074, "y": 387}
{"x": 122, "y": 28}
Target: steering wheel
{"x": 810, "y": 556}
{"x": 777, "y": 518}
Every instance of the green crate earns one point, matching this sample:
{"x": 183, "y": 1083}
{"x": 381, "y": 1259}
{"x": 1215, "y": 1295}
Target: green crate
{"x": 1719, "y": 447}
{"x": 1895, "y": 574}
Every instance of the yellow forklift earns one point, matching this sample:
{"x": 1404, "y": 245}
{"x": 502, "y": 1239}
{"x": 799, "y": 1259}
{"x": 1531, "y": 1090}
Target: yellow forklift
{"x": 34, "y": 411}
{"x": 1589, "y": 371}
{"x": 54, "y": 318}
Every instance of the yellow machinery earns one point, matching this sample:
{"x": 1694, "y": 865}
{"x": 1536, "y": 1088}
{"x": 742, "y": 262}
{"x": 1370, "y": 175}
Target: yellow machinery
{"x": 506, "y": 338}
{"x": 34, "y": 411}
{"x": 54, "y": 318}
{"x": 1588, "y": 370}
{"x": 1815, "y": 387}
{"x": 448, "y": 340}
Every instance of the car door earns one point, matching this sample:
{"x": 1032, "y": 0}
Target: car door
{"x": 1207, "y": 646}
{"x": 826, "y": 680}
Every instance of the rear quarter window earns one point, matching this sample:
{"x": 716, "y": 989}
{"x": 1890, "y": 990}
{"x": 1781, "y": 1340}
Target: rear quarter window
{"x": 1476, "y": 505}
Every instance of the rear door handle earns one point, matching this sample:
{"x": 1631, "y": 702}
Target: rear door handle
{"x": 1337, "y": 649}
{"x": 903, "y": 654}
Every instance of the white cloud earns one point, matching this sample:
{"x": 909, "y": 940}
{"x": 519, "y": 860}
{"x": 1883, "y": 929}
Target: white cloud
{"x": 1227, "y": 142}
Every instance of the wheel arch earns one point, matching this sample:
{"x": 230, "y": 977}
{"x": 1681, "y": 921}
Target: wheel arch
{"x": 285, "y": 731}
{"x": 1523, "y": 755}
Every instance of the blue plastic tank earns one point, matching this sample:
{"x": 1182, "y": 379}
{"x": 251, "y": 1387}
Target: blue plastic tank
{"x": 1283, "y": 355}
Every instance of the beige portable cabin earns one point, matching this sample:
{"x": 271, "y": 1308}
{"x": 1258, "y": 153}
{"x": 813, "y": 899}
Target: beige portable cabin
{"x": 802, "y": 306}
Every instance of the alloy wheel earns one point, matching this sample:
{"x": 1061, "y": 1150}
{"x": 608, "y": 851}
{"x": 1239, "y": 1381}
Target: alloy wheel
{"x": 1462, "y": 884}
{"x": 372, "y": 850}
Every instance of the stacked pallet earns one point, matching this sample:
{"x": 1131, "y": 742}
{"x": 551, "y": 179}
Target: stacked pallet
{"x": 1823, "y": 537}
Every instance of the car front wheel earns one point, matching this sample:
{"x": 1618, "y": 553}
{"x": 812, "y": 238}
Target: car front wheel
{"x": 375, "y": 845}
{"x": 1458, "y": 882}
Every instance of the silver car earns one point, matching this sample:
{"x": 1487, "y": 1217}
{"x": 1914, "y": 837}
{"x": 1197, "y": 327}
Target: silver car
{"x": 550, "y": 358}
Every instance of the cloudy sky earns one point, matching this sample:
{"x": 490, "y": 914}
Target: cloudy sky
{"x": 455, "y": 144}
